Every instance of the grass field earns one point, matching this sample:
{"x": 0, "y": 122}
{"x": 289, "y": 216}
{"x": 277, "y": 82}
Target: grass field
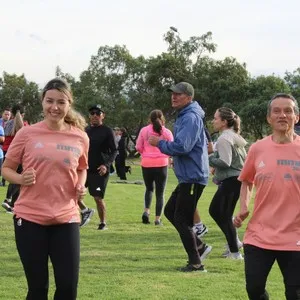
{"x": 136, "y": 261}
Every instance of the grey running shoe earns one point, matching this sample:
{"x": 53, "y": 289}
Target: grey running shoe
{"x": 6, "y": 205}
{"x": 158, "y": 222}
{"x": 86, "y": 217}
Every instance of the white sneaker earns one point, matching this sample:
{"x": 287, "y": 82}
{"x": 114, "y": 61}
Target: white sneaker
{"x": 235, "y": 255}
{"x": 200, "y": 230}
{"x": 227, "y": 251}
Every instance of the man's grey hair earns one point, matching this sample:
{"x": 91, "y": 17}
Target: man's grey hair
{"x": 287, "y": 96}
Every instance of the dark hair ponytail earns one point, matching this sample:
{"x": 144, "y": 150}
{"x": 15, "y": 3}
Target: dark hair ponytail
{"x": 157, "y": 119}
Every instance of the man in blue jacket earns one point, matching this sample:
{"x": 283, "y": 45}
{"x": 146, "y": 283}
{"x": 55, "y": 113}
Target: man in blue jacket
{"x": 190, "y": 158}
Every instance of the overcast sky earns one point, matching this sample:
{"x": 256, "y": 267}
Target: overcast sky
{"x": 38, "y": 35}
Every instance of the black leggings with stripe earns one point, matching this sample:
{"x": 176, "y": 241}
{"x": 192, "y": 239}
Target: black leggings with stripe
{"x": 36, "y": 244}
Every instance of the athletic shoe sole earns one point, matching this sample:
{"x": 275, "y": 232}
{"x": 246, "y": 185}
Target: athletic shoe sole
{"x": 205, "y": 253}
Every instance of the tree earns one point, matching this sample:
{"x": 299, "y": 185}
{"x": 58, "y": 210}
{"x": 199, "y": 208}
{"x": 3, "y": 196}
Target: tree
{"x": 254, "y": 111}
{"x": 293, "y": 81}
{"x": 16, "y": 89}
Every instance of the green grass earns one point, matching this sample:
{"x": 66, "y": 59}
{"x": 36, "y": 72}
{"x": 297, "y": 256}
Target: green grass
{"x": 136, "y": 261}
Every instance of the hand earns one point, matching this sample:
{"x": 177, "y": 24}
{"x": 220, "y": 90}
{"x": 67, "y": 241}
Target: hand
{"x": 80, "y": 191}
{"x": 239, "y": 218}
{"x": 153, "y": 140}
{"x": 28, "y": 177}
{"x": 102, "y": 170}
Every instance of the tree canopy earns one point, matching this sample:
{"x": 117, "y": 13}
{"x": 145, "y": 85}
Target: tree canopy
{"x": 129, "y": 88}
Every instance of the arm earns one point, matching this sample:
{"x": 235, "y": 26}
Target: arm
{"x": 186, "y": 137}
{"x": 9, "y": 172}
{"x": 80, "y": 187}
{"x": 245, "y": 197}
{"x": 109, "y": 157}
{"x": 223, "y": 157}
{"x": 210, "y": 147}
{"x": 140, "y": 142}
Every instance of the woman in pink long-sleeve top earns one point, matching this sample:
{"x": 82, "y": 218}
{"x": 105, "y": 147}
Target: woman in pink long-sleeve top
{"x": 154, "y": 164}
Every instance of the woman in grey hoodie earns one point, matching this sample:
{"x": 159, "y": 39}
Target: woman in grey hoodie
{"x": 227, "y": 161}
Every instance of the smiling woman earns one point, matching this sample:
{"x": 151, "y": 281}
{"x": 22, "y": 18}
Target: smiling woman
{"x": 53, "y": 154}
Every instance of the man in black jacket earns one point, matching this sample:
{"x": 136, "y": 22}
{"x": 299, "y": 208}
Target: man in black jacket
{"x": 102, "y": 153}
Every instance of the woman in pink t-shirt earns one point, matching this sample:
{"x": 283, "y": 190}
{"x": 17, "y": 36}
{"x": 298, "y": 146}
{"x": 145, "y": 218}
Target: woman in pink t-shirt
{"x": 154, "y": 164}
{"x": 53, "y": 154}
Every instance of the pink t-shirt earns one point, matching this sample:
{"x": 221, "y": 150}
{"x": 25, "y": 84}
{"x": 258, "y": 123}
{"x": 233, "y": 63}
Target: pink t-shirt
{"x": 275, "y": 171}
{"x": 150, "y": 155}
{"x": 56, "y": 156}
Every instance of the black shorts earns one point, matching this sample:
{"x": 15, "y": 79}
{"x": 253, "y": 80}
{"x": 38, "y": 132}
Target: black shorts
{"x": 96, "y": 184}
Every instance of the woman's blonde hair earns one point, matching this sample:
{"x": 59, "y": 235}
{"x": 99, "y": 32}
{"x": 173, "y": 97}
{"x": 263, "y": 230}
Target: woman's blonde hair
{"x": 72, "y": 117}
{"x": 233, "y": 120}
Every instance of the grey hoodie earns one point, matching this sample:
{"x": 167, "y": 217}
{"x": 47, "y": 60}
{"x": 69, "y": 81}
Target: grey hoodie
{"x": 228, "y": 159}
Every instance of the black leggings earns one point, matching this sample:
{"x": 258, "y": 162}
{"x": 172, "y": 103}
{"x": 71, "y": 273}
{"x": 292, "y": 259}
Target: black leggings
{"x": 258, "y": 264}
{"x": 180, "y": 211}
{"x": 158, "y": 176}
{"x": 222, "y": 207}
{"x": 13, "y": 190}
{"x": 36, "y": 244}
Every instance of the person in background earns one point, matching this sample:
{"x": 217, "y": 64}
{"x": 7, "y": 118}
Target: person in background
{"x": 190, "y": 158}
{"x": 117, "y": 136}
{"x": 122, "y": 154}
{"x": 273, "y": 231}
{"x": 53, "y": 154}
{"x": 227, "y": 161}
{"x": 11, "y": 128}
{"x": 2, "y": 138}
{"x": 5, "y": 118}
{"x": 154, "y": 164}
{"x": 102, "y": 153}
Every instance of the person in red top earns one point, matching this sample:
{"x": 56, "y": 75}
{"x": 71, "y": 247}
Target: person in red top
{"x": 12, "y": 126}
{"x": 273, "y": 232}
{"x": 54, "y": 156}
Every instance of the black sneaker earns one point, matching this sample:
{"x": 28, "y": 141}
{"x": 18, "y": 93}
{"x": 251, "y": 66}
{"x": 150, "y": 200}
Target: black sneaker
{"x": 86, "y": 217}
{"x": 102, "y": 226}
{"x": 145, "y": 218}
{"x": 191, "y": 268}
{"x": 204, "y": 251}
{"x": 6, "y": 205}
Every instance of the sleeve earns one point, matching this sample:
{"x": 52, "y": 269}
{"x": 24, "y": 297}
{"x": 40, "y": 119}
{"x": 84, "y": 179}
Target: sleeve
{"x": 223, "y": 157}
{"x": 83, "y": 159}
{"x": 140, "y": 141}
{"x": 248, "y": 172}
{"x": 17, "y": 147}
{"x": 186, "y": 137}
{"x": 1, "y": 131}
{"x": 109, "y": 159}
